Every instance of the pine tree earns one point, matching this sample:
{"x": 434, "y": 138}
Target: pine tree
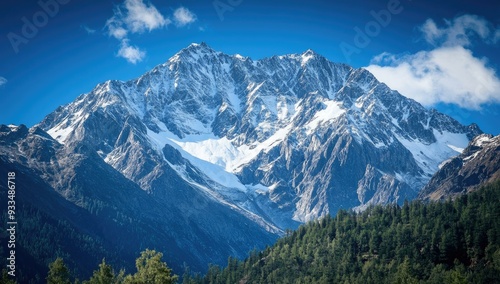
{"x": 6, "y": 279}
{"x": 150, "y": 269}
{"x": 404, "y": 275}
{"x": 58, "y": 272}
{"x": 105, "y": 275}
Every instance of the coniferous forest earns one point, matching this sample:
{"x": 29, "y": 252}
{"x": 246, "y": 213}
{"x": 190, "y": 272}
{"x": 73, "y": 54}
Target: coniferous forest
{"x": 450, "y": 242}
{"x": 456, "y": 241}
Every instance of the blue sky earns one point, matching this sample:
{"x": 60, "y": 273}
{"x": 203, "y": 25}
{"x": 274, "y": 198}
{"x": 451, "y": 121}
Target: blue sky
{"x": 444, "y": 55}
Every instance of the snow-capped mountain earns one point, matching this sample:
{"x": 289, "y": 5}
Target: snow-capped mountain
{"x": 281, "y": 140}
{"x": 477, "y": 165}
{"x": 210, "y": 155}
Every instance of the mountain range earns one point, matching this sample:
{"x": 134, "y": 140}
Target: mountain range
{"x": 210, "y": 155}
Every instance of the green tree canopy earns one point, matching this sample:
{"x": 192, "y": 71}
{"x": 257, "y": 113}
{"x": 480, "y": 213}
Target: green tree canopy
{"x": 104, "y": 275}
{"x": 6, "y": 279}
{"x": 151, "y": 270}
{"x": 58, "y": 272}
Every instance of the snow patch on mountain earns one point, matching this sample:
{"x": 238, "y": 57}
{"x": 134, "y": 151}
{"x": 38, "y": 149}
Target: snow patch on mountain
{"x": 430, "y": 156}
{"x": 331, "y": 111}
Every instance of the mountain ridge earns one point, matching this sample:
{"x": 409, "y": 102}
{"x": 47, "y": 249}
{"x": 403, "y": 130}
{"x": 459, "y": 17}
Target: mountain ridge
{"x": 201, "y": 99}
{"x": 478, "y": 164}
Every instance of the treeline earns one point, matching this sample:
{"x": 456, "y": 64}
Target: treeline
{"x": 450, "y": 242}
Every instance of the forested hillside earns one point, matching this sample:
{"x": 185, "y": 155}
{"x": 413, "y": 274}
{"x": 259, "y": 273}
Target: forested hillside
{"x": 456, "y": 241}
{"x": 450, "y": 242}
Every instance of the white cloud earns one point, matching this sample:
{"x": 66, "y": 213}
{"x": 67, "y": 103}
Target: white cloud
{"x": 87, "y": 29}
{"x": 137, "y": 17}
{"x": 115, "y": 28}
{"x": 497, "y": 36}
{"x": 459, "y": 31}
{"x": 183, "y": 17}
{"x": 3, "y": 81}
{"x": 141, "y": 17}
{"x": 118, "y": 32}
{"x": 446, "y": 74}
{"x": 132, "y": 53}
{"x": 449, "y": 73}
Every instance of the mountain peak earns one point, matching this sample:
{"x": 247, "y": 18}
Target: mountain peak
{"x": 231, "y": 119}
{"x": 309, "y": 52}
{"x": 194, "y": 50}
{"x": 308, "y": 55}
{"x": 199, "y": 47}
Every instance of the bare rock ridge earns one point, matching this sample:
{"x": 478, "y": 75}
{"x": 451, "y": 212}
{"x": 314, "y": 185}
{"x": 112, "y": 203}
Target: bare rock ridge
{"x": 477, "y": 165}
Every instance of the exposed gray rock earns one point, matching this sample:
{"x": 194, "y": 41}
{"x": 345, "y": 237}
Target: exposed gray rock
{"x": 478, "y": 164}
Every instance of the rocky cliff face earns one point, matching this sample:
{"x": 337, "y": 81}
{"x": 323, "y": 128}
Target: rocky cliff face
{"x": 224, "y": 152}
{"x": 283, "y": 140}
{"x": 478, "y": 164}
